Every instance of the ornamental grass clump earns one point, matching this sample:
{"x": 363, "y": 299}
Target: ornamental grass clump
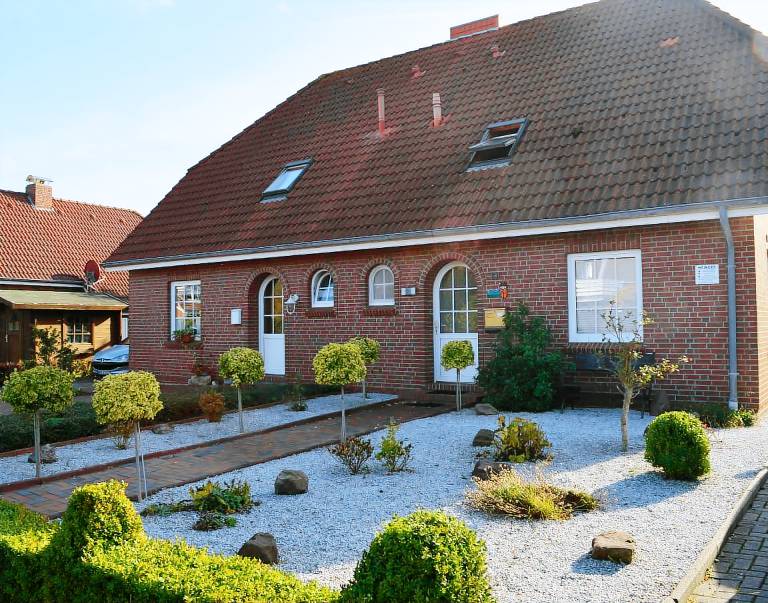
{"x": 354, "y": 453}
{"x": 677, "y": 443}
{"x": 425, "y": 557}
{"x": 507, "y": 493}
{"x": 370, "y": 349}
{"x": 457, "y": 355}
{"x": 520, "y": 441}
{"x": 35, "y": 390}
{"x": 243, "y": 366}
{"x": 339, "y": 364}
{"x": 393, "y": 453}
{"x": 129, "y": 399}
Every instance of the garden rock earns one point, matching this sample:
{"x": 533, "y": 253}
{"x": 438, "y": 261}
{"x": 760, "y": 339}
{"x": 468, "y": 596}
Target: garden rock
{"x": 47, "y": 455}
{"x": 290, "y": 481}
{"x": 485, "y": 469}
{"x": 485, "y": 409}
{"x": 162, "y": 428}
{"x": 261, "y": 546}
{"x": 200, "y": 380}
{"x": 484, "y": 437}
{"x": 618, "y": 547}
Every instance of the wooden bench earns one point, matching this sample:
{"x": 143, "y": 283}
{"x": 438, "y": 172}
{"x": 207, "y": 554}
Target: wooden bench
{"x": 570, "y": 390}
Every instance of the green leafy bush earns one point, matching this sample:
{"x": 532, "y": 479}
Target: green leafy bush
{"x": 718, "y": 416}
{"x": 520, "y": 441}
{"x": 232, "y": 497}
{"x": 208, "y": 521}
{"x": 77, "y": 421}
{"x": 354, "y": 453}
{"x": 393, "y": 453}
{"x": 139, "y": 570}
{"x": 677, "y": 443}
{"x": 243, "y": 366}
{"x": 425, "y": 557}
{"x": 523, "y": 373}
{"x": 127, "y": 398}
{"x": 39, "y": 388}
{"x": 339, "y": 364}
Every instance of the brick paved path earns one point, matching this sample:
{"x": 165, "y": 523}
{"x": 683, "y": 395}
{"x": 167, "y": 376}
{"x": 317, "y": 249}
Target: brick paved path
{"x": 740, "y": 571}
{"x": 191, "y": 465}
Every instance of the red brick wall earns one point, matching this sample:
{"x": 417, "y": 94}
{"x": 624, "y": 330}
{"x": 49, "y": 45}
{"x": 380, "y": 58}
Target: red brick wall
{"x": 690, "y": 319}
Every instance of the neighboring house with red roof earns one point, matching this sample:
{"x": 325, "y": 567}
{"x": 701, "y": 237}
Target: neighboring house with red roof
{"x": 614, "y": 151}
{"x": 45, "y": 244}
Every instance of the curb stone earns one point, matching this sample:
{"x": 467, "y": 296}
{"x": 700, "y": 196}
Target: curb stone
{"x": 703, "y": 562}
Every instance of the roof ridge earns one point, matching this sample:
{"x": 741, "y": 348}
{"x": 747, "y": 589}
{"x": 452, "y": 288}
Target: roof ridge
{"x": 88, "y": 203}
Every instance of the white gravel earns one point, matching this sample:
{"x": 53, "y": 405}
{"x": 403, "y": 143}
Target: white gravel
{"x": 322, "y": 534}
{"x": 103, "y": 450}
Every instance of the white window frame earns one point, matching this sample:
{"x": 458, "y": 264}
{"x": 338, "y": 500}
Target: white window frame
{"x": 175, "y": 285}
{"x": 573, "y": 335}
{"x": 372, "y": 301}
{"x": 316, "y": 277}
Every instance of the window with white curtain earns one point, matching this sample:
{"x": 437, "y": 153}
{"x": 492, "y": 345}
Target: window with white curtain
{"x": 381, "y": 287}
{"x": 186, "y": 307}
{"x": 322, "y": 289}
{"x": 594, "y": 281}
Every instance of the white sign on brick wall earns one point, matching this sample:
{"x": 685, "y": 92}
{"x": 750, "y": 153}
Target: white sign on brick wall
{"x": 707, "y": 274}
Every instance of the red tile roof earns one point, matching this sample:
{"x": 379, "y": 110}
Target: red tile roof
{"x": 54, "y": 245}
{"x": 632, "y": 104}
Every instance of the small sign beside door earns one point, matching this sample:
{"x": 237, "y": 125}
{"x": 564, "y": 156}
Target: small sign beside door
{"x": 707, "y": 274}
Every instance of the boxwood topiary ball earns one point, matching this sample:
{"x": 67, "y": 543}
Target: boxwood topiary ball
{"x": 677, "y": 443}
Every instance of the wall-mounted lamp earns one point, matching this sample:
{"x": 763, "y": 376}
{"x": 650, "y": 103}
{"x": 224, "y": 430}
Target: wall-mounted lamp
{"x": 290, "y": 303}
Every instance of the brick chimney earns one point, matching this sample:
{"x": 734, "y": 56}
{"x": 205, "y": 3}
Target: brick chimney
{"x": 475, "y": 27}
{"x": 39, "y": 192}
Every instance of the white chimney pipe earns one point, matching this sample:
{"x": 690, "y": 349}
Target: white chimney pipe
{"x": 382, "y": 123}
{"x": 437, "y": 109}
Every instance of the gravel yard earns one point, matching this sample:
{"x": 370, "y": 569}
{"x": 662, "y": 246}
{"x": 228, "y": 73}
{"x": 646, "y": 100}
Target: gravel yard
{"x": 322, "y": 534}
{"x": 103, "y": 450}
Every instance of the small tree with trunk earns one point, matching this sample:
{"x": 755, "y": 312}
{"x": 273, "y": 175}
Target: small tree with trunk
{"x": 129, "y": 399}
{"x": 370, "y": 349}
{"x": 35, "y": 390}
{"x": 339, "y": 364}
{"x": 623, "y": 361}
{"x": 457, "y": 355}
{"x": 243, "y": 366}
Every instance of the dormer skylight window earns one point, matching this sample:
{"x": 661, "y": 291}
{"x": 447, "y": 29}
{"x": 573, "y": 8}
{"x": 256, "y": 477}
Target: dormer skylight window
{"x": 286, "y": 180}
{"x": 497, "y": 145}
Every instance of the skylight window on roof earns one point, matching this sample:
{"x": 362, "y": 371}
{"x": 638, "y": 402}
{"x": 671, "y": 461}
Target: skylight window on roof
{"x": 286, "y": 180}
{"x": 497, "y": 144}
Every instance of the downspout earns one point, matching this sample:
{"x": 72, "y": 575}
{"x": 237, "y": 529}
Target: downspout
{"x": 733, "y": 372}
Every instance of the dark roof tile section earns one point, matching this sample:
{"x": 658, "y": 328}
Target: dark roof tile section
{"x": 44, "y": 245}
{"x": 632, "y": 104}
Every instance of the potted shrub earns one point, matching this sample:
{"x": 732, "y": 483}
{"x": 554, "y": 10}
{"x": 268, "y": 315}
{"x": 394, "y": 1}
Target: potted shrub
{"x": 339, "y": 364}
{"x": 243, "y": 366}
{"x": 184, "y": 336}
{"x": 37, "y": 389}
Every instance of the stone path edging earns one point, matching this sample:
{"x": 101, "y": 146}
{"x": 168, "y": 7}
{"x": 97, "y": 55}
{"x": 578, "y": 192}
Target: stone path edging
{"x": 21, "y": 484}
{"x": 703, "y": 562}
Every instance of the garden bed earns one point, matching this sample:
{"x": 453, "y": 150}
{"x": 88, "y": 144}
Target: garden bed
{"x": 103, "y": 450}
{"x": 322, "y": 534}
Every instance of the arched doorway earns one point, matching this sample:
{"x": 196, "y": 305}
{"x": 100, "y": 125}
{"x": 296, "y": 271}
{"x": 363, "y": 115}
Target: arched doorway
{"x": 271, "y": 334}
{"x": 455, "y": 316}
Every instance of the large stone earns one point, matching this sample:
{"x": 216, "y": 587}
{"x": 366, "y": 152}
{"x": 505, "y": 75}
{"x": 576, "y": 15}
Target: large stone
{"x": 618, "y": 547}
{"x": 199, "y": 380}
{"x": 47, "y": 455}
{"x": 161, "y": 428}
{"x": 485, "y": 469}
{"x": 485, "y": 409}
{"x": 261, "y": 546}
{"x": 484, "y": 437}
{"x": 290, "y": 481}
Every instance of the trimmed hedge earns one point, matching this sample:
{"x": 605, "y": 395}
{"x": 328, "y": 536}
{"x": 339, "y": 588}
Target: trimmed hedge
{"x": 677, "y": 442}
{"x": 76, "y": 422}
{"x": 33, "y": 566}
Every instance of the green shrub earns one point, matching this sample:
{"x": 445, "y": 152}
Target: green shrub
{"x": 520, "y": 441}
{"x": 425, "y": 557}
{"x": 506, "y": 493}
{"x": 127, "y": 398}
{"x": 232, "y": 497}
{"x": 523, "y": 374}
{"x": 208, "y": 521}
{"x": 393, "y": 453}
{"x": 677, "y": 442}
{"x": 748, "y": 417}
{"x": 136, "y": 570}
{"x": 718, "y": 416}
{"x": 354, "y": 453}
{"x": 77, "y": 421}
{"x": 339, "y": 364}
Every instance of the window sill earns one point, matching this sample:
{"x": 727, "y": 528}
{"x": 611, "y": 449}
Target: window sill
{"x": 380, "y": 311}
{"x": 321, "y": 312}
{"x": 178, "y": 345}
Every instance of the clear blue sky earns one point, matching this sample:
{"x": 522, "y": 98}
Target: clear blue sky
{"x": 115, "y": 99}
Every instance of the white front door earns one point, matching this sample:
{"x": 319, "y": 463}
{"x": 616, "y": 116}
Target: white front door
{"x": 455, "y": 317}
{"x": 271, "y": 336}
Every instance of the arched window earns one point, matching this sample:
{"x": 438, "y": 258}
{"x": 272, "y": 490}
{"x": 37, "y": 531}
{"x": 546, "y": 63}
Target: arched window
{"x": 381, "y": 287}
{"x": 322, "y": 289}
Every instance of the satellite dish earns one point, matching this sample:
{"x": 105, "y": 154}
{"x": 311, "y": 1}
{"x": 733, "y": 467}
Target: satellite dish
{"x": 92, "y": 273}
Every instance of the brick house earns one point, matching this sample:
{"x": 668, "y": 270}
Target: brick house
{"x": 45, "y": 244}
{"x": 614, "y": 151}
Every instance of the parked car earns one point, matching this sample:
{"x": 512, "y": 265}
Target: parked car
{"x": 112, "y": 360}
